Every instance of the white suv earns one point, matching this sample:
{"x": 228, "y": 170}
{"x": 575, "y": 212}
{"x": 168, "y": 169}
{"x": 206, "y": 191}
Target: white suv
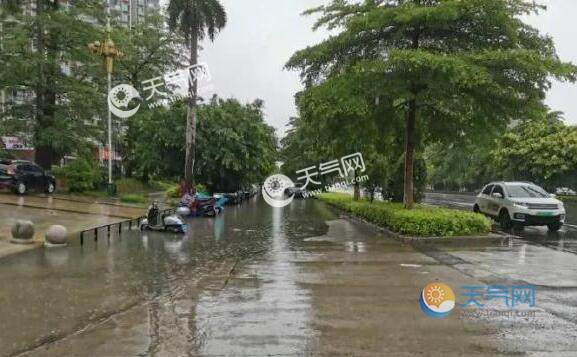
{"x": 520, "y": 204}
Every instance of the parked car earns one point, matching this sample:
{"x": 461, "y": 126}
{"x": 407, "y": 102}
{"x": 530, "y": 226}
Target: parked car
{"x": 21, "y": 176}
{"x": 520, "y": 204}
{"x": 296, "y": 192}
{"x": 565, "y": 191}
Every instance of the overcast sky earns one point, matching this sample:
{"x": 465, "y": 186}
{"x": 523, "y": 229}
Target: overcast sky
{"x": 246, "y": 60}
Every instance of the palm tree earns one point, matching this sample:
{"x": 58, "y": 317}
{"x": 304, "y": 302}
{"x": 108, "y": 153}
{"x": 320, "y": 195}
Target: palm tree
{"x": 196, "y": 20}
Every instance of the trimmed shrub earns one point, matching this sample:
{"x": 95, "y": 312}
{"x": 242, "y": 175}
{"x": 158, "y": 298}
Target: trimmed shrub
{"x": 422, "y": 221}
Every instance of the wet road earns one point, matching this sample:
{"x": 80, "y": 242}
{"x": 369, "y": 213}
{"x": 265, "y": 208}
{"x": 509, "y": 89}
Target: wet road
{"x": 259, "y": 281}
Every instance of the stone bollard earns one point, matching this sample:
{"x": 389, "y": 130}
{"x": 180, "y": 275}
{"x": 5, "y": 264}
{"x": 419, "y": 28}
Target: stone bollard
{"x": 22, "y": 232}
{"x": 56, "y": 236}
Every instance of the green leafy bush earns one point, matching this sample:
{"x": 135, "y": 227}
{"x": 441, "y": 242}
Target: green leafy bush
{"x": 174, "y": 192}
{"x": 420, "y": 222}
{"x": 200, "y": 188}
{"x": 80, "y": 175}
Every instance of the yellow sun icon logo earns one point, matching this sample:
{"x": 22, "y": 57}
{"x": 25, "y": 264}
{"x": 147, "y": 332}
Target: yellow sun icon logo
{"x": 435, "y": 295}
{"x": 437, "y": 300}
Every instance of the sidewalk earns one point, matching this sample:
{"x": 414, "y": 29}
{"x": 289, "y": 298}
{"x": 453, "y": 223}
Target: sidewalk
{"x": 75, "y": 215}
{"x": 68, "y": 204}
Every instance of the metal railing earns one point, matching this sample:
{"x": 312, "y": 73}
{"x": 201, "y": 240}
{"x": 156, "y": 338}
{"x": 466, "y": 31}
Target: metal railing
{"x": 117, "y": 227}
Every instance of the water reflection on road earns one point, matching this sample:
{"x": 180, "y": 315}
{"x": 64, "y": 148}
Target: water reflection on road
{"x": 259, "y": 281}
{"x": 264, "y": 311}
{"x": 48, "y": 294}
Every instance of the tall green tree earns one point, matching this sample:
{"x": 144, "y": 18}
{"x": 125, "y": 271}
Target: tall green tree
{"x": 544, "y": 152}
{"x": 44, "y": 58}
{"x": 195, "y": 20}
{"x": 236, "y": 146}
{"x": 149, "y": 50}
{"x": 447, "y": 68}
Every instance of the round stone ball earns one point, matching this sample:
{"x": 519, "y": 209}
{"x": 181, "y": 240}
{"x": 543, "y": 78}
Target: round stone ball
{"x": 57, "y": 235}
{"x": 23, "y": 230}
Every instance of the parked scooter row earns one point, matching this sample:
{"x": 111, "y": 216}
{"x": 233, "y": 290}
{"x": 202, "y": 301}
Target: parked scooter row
{"x": 201, "y": 205}
{"x": 238, "y": 197}
{"x": 191, "y": 205}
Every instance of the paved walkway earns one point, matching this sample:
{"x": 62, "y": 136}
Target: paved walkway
{"x": 47, "y": 211}
{"x": 72, "y": 205}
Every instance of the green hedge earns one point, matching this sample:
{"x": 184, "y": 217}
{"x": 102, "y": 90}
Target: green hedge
{"x": 422, "y": 221}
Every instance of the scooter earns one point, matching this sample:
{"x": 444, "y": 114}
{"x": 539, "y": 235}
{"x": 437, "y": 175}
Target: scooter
{"x": 155, "y": 221}
{"x": 202, "y": 206}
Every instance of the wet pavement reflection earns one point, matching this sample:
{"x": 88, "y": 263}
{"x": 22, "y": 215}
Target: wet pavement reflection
{"x": 259, "y": 281}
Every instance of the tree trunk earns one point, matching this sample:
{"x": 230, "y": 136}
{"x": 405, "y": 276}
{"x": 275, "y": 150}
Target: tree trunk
{"x": 44, "y": 91}
{"x": 191, "y": 118}
{"x": 357, "y": 188}
{"x": 409, "y": 192}
{"x": 411, "y": 117}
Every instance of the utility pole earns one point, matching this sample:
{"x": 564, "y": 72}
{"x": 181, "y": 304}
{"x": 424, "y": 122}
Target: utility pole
{"x": 109, "y": 52}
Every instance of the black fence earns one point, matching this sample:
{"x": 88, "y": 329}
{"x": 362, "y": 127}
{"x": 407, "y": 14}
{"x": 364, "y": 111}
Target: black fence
{"x": 117, "y": 227}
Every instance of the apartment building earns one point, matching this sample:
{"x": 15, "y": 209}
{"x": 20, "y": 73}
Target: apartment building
{"x": 131, "y": 12}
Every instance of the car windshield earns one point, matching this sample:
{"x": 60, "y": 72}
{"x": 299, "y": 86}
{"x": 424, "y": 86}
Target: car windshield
{"x": 526, "y": 191}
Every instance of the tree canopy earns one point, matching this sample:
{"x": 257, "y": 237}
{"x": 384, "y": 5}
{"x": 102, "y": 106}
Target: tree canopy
{"x": 236, "y": 148}
{"x": 444, "y": 69}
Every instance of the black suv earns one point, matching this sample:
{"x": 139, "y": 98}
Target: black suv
{"x": 21, "y": 176}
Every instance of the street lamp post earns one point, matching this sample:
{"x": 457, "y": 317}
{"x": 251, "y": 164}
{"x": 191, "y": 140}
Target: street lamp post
{"x": 107, "y": 50}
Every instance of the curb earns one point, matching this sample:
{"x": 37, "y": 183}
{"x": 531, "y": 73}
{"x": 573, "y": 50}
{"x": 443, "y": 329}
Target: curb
{"x": 51, "y": 245}
{"x": 23, "y": 241}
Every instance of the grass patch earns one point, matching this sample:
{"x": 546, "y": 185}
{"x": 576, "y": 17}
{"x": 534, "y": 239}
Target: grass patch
{"x": 134, "y": 198}
{"x": 127, "y": 185}
{"x": 567, "y": 198}
{"x": 423, "y": 221}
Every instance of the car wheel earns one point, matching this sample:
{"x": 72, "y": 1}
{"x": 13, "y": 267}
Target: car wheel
{"x": 50, "y": 188}
{"x": 505, "y": 220}
{"x": 21, "y": 188}
{"x": 554, "y": 227}
{"x": 476, "y": 209}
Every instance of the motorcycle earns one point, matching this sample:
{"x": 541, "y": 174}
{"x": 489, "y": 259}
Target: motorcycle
{"x": 155, "y": 221}
{"x": 201, "y": 205}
